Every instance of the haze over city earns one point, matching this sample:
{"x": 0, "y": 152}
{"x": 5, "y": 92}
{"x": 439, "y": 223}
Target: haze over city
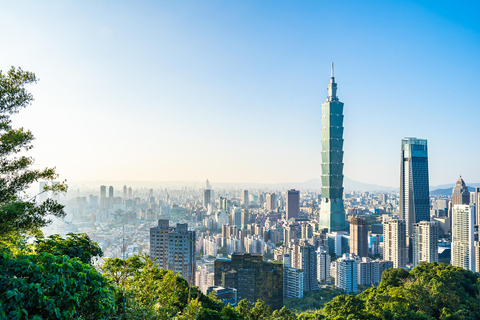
{"x": 231, "y": 91}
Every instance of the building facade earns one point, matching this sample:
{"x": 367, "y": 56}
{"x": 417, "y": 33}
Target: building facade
{"x": 174, "y": 249}
{"x": 252, "y": 277}
{"x": 293, "y": 204}
{"x": 463, "y": 236}
{"x": 332, "y": 212}
{"x": 359, "y": 237}
{"x": 425, "y": 242}
{"x": 394, "y": 242}
{"x": 414, "y": 185}
{"x": 346, "y": 274}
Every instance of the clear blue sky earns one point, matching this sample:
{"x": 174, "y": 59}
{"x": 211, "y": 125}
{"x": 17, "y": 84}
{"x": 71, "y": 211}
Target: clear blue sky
{"x": 231, "y": 90}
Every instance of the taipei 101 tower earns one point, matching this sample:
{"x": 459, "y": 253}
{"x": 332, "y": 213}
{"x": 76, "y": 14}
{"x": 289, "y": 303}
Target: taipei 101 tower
{"x": 332, "y": 212}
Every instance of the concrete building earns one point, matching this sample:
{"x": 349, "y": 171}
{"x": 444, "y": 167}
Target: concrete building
{"x": 460, "y": 193}
{"x": 425, "y": 242}
{"x": 271, "y": 202}
{"x": 394, "y": 242}
{"x": 346, "y": 273}
{"x": 332, "y": 212}
{"x": 463, "y": 236}
{"x": 323, "y": 266}
{"x": 293, "y": 204}
{"x": 303, "y": 256}
{"x": 174, "y": 248}
{"x": 245, "y": 201}
{"x": 477, "y": 205}
{"x": 252, "y": 277}
{"x": 245, "y": 218}
{"x": 103, "y": 197}
{"x": 292, "y": 279}
{"x": 359, "y": 237}
{"x": 414, "y": 185}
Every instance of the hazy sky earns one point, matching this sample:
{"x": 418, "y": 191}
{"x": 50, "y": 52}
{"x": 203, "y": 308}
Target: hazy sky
{"x": 232, "y": 90}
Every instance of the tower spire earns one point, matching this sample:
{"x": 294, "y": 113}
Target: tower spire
{"x": 333, "y": 74}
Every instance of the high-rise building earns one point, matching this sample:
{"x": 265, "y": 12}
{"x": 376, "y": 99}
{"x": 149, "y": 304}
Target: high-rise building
{"x": 245, "y": 199}
{"x": 460, "y": 193}
{"x": 103, "y": 197}
{"x": 292, "y": 279}
{"x": 236, "y": 217}
{"x": 293, "y": 204}
{"x": 394, "y": 242}
{"x": 332, "y": 212}
{"x": 174, "y": 248}
{"x": 130, "y": 193}
{"x": 323, "y": 265}
{"x": 304, "y": 257}
{"x": 346, "y": 274}
{"x": 359, "y": 236}
{"x": 425, "y": 242}
{"x": 245, "y": 218}
{"x": 125, "y": 193}
{"x": 252, "y": 277}
{"x": 463, "y": 236}
{"x": 271, "y": 204}
{"x": 414, "y": 186}
{"x": 477, "y": 205}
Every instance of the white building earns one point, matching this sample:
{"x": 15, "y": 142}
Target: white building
{"x": 346, "y": 273}
{"x": 425, "y": 242}
{"x": 394, "y": 242}
{"x": 292, "y": 279}
{"x": 463, "y": 236}
{"x": 323, "y": 265}
{"x": 210, "y": 246}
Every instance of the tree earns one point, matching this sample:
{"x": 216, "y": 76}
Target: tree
{"x": 76, "y": 245}
{"x": 52, "y": 287}
{"x": 17, "y": 212}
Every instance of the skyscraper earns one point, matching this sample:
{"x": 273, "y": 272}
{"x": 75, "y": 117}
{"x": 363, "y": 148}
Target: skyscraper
{"x": 304, "y": 257}
{"x": 463, "y": 236}
{"x": 425, "y": 242}
{"x": 394, "y": 242}
{"x": 207, "y": 195}
{"x": 293, "y": 204}
{"x": 245, "y": 198}
{"x": 174, "y": 248}
{"x": 245, "y": 218}
{"x": 460, "y": 193}
{"x": 271, "y": 201}
{"x": 346, "y": 274}
{"x": 414, "y": 187}
{"x": 332, "y": 213}
{"x": 103, "y": 197}
{"x": 359, "y": 236}
{"x": 477, "y": 205}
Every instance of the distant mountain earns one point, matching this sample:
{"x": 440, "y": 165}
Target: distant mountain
{"x": 447, "y": 191}
{"x": 451, "y": 185}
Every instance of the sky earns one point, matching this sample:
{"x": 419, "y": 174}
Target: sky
{"x": 232, "y": 90}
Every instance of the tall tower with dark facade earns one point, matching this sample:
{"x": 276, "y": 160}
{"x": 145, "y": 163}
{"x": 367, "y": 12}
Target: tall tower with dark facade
{"x": 332, "y": 213}
{"x": 414, "y": 186}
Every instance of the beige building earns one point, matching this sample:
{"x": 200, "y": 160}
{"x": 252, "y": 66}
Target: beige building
{"x": 394, "y": 242}
{"x": 425, "y": 242}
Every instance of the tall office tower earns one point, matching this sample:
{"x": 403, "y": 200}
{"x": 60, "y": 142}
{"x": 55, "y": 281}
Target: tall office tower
{"x": 394, "y": 242}
{"x": 271, "y": 203}
{"x": 332, "y": 212}
{"x": 463, "y": 236}
{"x": 245, "y": 199}
{"x": 477, "y": 205}
{"x": 103, "y": 197}
{"x": 414, "y": 188}
{"x": 125, "y": 193}
{"x": 130, "y": 193}
{"x": 460, "y": 193}
{"x": 304, "y": 257}
{"x": 110, "y": 197}
{"x": 346, "y": 274}
{"x": 323, "y": 265}
{"x": 236, "y": 217}
{"x": 359, "y": 237}
{"x": 110, "y": 192}
{"x": 292, "y": 279}
{"x": 207, "y": 197}
{"x": 252, "y": 277}
{"x": 245, "y": 218}
{"x": 174, "y": 248}
{"x": 425, "y": 242}
{"x": 223, "y": 203}
{"x": 293, "y": 204}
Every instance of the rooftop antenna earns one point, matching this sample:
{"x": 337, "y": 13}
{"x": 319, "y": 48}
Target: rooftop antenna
{"x": 332, "y": 71}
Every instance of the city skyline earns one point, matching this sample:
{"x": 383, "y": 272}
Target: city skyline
{"x": 170, "y": 91}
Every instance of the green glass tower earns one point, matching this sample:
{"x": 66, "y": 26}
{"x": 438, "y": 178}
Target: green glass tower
{"x": 332, "y": 212}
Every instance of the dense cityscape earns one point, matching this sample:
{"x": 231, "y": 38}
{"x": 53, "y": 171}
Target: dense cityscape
{"x": 277, "y": 244}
